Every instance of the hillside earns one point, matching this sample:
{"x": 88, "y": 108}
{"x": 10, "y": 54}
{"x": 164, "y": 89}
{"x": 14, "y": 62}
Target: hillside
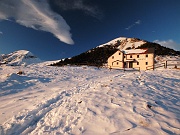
{"x": 96, "y": 56}
{"x": 18, "y": 58}
{"x": 160, "y": 50}
{"x": 99, "y": 55}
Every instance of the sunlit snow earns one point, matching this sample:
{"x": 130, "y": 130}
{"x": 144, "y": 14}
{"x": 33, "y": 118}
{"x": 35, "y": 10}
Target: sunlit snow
{"x": 89, "y": 101}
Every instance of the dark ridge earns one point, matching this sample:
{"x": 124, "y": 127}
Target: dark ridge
{"x": 159, "y": 50}
{"x": 94, "y": 57}
{"x": 98, "y": 56}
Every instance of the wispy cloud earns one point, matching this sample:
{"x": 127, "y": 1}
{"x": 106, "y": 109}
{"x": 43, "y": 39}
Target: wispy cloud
{"x": 36, "y": 14}
{"x": 169, "y": 43}
{"x": 138, "y": 22}
{"x": 1, "y": 33}
{"x": 91, "y": 10}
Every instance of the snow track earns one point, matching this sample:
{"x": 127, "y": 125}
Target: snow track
{"x": 23, "y": 123}
{"x": 87, "y": 100}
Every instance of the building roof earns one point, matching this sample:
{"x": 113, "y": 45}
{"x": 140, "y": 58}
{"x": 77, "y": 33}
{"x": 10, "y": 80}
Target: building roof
{"x": 138, "y": 51}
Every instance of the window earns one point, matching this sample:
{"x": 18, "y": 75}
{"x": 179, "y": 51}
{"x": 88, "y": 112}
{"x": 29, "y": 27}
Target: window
{"x": 117, "y": 63}
{"x": 137, "y": 56}
{"x": 112, "y": 57}
{"x": 146, "y": 63}
{"x": 124, "y": 56}
{"x": 130, "y": 56}
{"x": 146, "y": 55}
{"x": 137, "y": 63}
{"x": 119, "y": 53}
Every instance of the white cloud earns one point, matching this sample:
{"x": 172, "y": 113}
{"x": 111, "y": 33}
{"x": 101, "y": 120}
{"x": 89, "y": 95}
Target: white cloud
{"x": 91, "y": 10}
{"x": 138, "y": 22}
{"x": 169, "y": 43}
{"x": 36, "y": 14}
{"x": 1, "y": 33}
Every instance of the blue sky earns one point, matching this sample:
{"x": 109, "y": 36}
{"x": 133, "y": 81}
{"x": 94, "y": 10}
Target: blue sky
{"x": 64, "y": 28}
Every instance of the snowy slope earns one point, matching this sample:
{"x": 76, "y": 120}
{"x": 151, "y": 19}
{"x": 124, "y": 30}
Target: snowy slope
{"x": 21, "y": 57}
{"x": 125, "y": 42}
{"x": 99, "y": 55}
{"x": 113, "y": 41}
{"x": 87, "y": 100}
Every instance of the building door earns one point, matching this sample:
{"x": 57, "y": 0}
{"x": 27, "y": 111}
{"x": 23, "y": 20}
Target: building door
{"x": 125, "y": 65}
{"x": 130, "y": 64}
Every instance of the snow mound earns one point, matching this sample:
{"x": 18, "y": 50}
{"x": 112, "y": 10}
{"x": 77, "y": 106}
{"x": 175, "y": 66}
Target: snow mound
{"x": 13, "y": 76}
{"x": 19, "y": 58}
{"x": 125, "y": 43}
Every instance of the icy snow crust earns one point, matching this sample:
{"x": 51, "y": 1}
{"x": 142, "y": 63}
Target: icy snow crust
{"x": 90, "y": 101}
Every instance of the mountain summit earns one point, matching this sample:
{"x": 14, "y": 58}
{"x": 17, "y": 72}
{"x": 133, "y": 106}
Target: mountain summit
{"x": 18, "y": 58}
{"x": 99, "y": 55}
{"x": 124, "y": 43}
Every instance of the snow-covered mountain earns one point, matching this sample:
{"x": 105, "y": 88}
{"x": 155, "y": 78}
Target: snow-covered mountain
{"x": 18, "y": 58}
{"x": 99, "y": 55}
{"x": 84, "y": 100}
{"x": 125, "y": 43}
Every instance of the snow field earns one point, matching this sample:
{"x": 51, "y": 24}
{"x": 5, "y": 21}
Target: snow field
{"x": 87, "y": 100}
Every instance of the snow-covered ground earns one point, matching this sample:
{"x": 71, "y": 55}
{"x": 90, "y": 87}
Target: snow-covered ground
{"x": 89, "y": 101}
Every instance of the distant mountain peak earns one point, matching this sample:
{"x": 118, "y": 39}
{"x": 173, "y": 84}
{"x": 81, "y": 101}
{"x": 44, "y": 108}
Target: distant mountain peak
{"x": 18, "y": 58}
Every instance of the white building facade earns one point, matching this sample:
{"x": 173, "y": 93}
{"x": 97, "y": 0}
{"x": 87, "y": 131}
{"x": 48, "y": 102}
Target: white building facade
{"x": 141, "y": 59}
